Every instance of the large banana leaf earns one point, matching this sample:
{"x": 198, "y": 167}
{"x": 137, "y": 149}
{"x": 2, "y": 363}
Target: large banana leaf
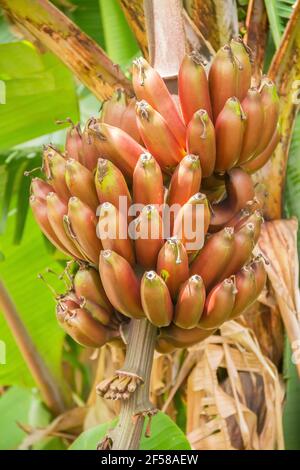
{"x": 39, "y": 91}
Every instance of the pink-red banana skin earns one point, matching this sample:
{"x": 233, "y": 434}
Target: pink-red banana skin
{"x": 147, "y": 183}
{"x": 187, "y": 218}
{"x": 39, "y": 209}
{"x": 201, "y": 141}
{"x": 56, "y": 209}
{"x": 244, "y": 68}
{"x": 240, "y": 190}
{"x": 112, "y": 110}
{"x": 229, "y": 128}
{"x": 149, "y": 86}
{"x": 258, "y": 266}
{"x": 74, "y": 143}
{"x": 54, "y": 166}
{"x": 111, "y": 184}
{"x": 87, "y": 283}
{"x": 73, "y": 330}
{"x": 114, "y": 144}
{"x": 242, "y": 250}
{"x": 246, "y": 291}
{"x": 185, "y": 181}
{"x": 190, "y": 303}
{"x": 256, "y": 218}
{"x": 222, "y": 79}
{"x": 121, "y": 284}
{"x": 80, "y": 215}
{"x": 116, "y": 239}
{"x": 156, "y": 299}
{"x": 260, "y": 160}
{"x": 163, "y": 346}
{"x": 97, "y": 312}
{"x": 158, "y": 137}
{"x": 146, "y": 249}
{"x": 90, "y": 151}
{"x": 181, "y": 337}
{"x": 80, "y": 182}
{"x": 83, "y": 320}
{"x": 218, "y": 305}
{"x": 213, "y": 257}
{"x": 128, "y": 123}
{"x": 253, "y": 109}
{"x": 193, "y": 87}
{"x": 270, "y": 102}
{"x": 39, "y": 188}
{"x": 172, "y": 265}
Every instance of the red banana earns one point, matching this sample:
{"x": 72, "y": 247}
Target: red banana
{"x": 185, "y": 181}
{"x": 253, "y": 109}
{"x": 239, "y": 191}
{"x": 201, "y": 141}
{"x": 56, "y": 209}
{"x": 97, "y": 312}
{"x": 87, "y": 283}
{"x": 270, "y": 102}
{"x": 246, "y": 291}
{"x": 113, "y": 231}
{"x": 147, "y": 182}
{"x": 90, "y": 151}
{"x": 260, "y": 160}
{"x": 222, "y": 79}
{"x": 72, "y": 329}
{"x": 193, "y": 86}
{"x": 149, "y": 86}
{"x": 182, "y": 338}
{"x": 256, "y": 218}
{"x": 121, "y": 284}
{"x": 156, "y": 299}
{"x": 54, "y": 166}
{"x": 112, "y": 110}
{"x": 39, "y": 188}
{"x": 111, "y": 185}
{"x": 88, "y": 326}
{"x": 158, "y": 137}
{"x": 218, "y": 305}
{"x": 80, "y": 182}
{"x": 128, "y": 123}
{"x": 213, "y": 257}
{"x": 172, "y": 265}
{"x": 190, "y": 303}
{"x": 150, "y": 228}
{"x": 230, "y": 127}
{"x": 83, "y": 226}
{"x": 258, "y": 266}
{"x": 244, "y": 69}
{"x": 74, "y": 143}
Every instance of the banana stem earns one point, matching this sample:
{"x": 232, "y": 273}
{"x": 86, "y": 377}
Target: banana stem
{"x": 139, "y": 357}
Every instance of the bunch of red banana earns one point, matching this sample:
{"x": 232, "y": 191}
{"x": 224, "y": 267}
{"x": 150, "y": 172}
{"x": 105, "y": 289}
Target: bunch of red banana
{"x": 152, "y": 152}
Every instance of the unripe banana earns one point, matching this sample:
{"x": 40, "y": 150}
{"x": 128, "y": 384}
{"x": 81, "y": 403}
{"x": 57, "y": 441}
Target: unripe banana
{"x": 39, "y": 188}
{"x": 115, "y": 145}
{"x": 253, "y": 109}
{"x": 222, "y": 79}
{"x": 112, "y": 229}
{"x": 39, "y": 209}
{"x": 218, "y": 305}
{"x": 201, "y": 141}
{"x": 214, "y": 257}
{"x": 185, "y": 181}
{"x": 81, "y": 216}
{"x": 189, "y": 227}
{"x": 156, "y": 299}
{"x": 193, "y": 86}
{"x": 270, "y": 102}
{"x": 121, "y": 284}
{"x": 56, "y": 210}
{"x": 172, "y": 265}
{"x": 149, "y": 226}
{"x": 246, "y": 291}
{"x": 54, "y": 166}
{"x": 110, "y": 184}
{"x": 260, "y": 160}
{"x": 147, "y": 182}
{"x": 240, "y": 190}
{"x": 230, "y": 128}
{"x": 80, "y": 182}
{"x": 149, "y": 86}
{"x": 244, "y": 69}
{"x": 87, "y": 283}
{"x": 242, "y": 250}
{"x": 181, "y": 337}
{"x": 158, "y": 137}
{"x": 190, "y": 303}
{"x": 74, "y": 143}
